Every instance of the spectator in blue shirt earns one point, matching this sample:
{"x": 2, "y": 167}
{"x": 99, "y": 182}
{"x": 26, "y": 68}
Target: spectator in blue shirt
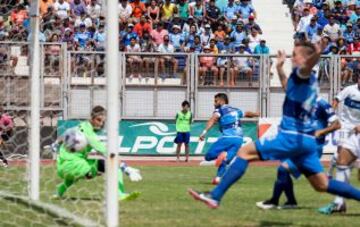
{"x": 318, "y": 3}
{"x": 246, "y": 9}
{"x": 323, "y": 17}
{"x": 227, "y": 46}
{"x": 232, "y": 25}
{"x": 221, "y": 4}
{"x": 189, "y": 38}
{"x": 321, "y": 11}
{"x": 78, "y": 7}
{"x": 349, "y": 34}
{"x": 176, "y": 38}
{"x": 246, "y": 44}
{"x": 195, "y": 47}
{"x": 130, "y": 34}
{"x": 42, "y": 37}
{"x": 355, "y": 15}
{"x": 356, "y": 29}
{"x": 238, "y": 35}
{"x": 100, "y": 38}
{"x": 230, "y": 11}
{"x": 311, "y": 29}
{"x": 82, "y": 36}
{"x": 262, "y": 48}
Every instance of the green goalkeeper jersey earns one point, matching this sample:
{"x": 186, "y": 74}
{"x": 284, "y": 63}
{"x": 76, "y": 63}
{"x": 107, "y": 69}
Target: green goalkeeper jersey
{"x": 94, "y": 143}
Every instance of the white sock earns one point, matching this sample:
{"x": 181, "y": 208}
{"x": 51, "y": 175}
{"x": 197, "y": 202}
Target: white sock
{"x": 332, "y": 165}
{"x": 342, "y": 174}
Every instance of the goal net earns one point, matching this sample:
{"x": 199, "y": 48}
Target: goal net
{"x": 72, "y": 81}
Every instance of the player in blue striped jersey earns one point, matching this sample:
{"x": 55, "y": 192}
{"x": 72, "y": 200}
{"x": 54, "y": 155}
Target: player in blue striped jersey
{"x": 295, "y": 139}
{"x": 225, "y": 148}
{"x": 326, "y": 122}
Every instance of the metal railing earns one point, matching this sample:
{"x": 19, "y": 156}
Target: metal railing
{"x": 155, "y": 84}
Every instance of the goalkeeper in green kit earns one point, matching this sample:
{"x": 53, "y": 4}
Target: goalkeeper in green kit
{"x": 73, "y": 163}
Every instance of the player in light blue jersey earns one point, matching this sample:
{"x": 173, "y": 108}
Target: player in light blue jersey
{"x": 295, "y": 139}
{"x": 225, "y": 148}
{"x": 326, "y": 122}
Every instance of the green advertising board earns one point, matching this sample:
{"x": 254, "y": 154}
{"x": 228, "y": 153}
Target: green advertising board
{"x": 150, "y": 137}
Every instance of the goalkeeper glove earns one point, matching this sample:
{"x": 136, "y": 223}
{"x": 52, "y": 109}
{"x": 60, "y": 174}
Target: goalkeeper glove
{"x": 55, "y": 147}
{"x": 134, "y": 174}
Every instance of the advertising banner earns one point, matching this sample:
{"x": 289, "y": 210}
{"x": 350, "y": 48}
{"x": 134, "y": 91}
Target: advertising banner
{"x": 149, "y": 137}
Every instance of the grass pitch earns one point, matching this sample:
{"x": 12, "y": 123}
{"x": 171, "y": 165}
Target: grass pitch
{"x": 165, "y": 202}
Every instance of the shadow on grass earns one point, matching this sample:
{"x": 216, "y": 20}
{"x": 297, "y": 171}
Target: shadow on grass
{"x": 207, "y": 183}
{"x": 350, "y": 215}
{"x": 82, "y": 198}
{"x": 274, "y": 223}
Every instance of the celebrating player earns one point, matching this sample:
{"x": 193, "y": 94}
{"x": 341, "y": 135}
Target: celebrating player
{"x": 345, "y": 158}
{"x": 73, "y": 163}
{"x": 225, "y": 148}
{"x": 326, "y": 122}
{"x": 295, "y": 139}
{"x": 183, "y": 123}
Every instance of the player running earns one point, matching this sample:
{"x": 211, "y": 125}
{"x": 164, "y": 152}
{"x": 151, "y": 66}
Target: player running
{"x": 225, "y": 148}
{"x": 326, "y": 122}
{"x": 343, "y": 160}
{"x": 295, "y": 139}
{"x": 73, "y": 165}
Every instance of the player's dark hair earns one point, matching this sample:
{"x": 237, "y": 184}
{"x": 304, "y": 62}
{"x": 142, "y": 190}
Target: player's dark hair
{"x": 222, "y": 96}
{"x": 97, "y": 110}
{"x": 310, "y": 47}
{"x": 185, "y": 103}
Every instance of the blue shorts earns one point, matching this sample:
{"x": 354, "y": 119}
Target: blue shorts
{"x": 182, "y": 137}
{"x": 298, "y": 148}
{"x": 231, "y": 145}
{"x": 292, "y": 167}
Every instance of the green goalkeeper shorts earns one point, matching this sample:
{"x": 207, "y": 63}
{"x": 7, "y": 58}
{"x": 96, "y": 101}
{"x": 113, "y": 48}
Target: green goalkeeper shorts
{"x": 77, "y": 168}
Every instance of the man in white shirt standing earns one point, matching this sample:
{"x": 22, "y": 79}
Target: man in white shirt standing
{"x": 167, "y": 48}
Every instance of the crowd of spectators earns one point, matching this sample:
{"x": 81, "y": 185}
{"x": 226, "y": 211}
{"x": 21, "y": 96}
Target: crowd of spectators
{"x": 80, "y": 23}
{"x": 165, "y": 26}
{"x": 191, "y": 26}
{"x": 335, "y": 22}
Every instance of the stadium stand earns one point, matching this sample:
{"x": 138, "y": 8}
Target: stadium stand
{"x": 337, "y": 22}
{"x": 214, "y": 27}
{"x": 223, "y": 26}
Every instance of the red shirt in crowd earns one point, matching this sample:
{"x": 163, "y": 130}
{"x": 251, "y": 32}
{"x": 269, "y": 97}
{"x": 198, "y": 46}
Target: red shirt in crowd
{"x": 140, "y": 28}
{"x": 353, "y": 47}
{"x": 138, "y": 8}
